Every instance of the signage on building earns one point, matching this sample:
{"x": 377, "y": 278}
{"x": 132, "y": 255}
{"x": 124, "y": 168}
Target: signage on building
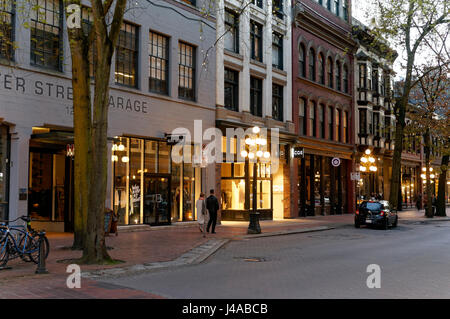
{"x": 355, "y": 176}
{"x": 336, "y": 161}
{"x": 297, "y": 152}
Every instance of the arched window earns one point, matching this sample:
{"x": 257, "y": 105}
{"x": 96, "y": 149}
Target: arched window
{"x": 312, "y": 65}
{"x": 338, "y": 76}
{"x": 345, "y": 78}
{"x": 302, "y": 116}
{"x": 321, "y": 69}
{"x": 302, "y": 60}
{"x": 330, "y": 72}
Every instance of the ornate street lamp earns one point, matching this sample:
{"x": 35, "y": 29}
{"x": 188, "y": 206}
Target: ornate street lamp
{"x": 254, "y": 152}
{"x": 367, "y": 163}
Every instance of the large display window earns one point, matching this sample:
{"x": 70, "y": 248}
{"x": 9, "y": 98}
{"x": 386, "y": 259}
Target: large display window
{"x": 237, "y": 188}
{"x": 148, "y": 188}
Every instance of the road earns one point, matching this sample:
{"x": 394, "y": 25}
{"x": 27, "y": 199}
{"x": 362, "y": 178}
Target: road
{"x": 414, "y": 260}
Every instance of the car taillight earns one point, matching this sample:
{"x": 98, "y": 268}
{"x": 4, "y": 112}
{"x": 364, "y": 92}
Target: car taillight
{"x": 382, "y": 213}
{"x": 357, "y": 212}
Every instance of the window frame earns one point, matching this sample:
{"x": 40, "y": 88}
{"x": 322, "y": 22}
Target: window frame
{"x": 134, "y": 54}
{"x": 60, "y": 37}
{"x": 182, "y": 91}
{"x": 330, "y": 69}
{"x": 279, "y": 47}
{"x": 302, "y": 128}
{"x": 312, "y": 64}
{"x": 256, "y": 93}
{"x": 277, "y": 95}
{"x": 166, "y": 59}
{"x": 302, "y": 60}
{"x": 8, "y": 48}
{"x": 256, "y": 32}
{"x": 234, "y": 84}
{"x": 234, "y": 27}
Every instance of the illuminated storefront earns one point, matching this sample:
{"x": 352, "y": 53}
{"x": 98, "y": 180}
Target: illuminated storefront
{"x": 148, "y": 187}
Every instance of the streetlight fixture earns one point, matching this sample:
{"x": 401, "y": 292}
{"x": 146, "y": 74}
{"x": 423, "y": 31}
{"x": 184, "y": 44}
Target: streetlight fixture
{"x": 254, "y": 151}
{"x": 367, "y": 163}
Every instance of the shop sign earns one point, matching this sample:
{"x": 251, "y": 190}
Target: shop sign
{"x": 336, "y": 161}
{"x": 297, "y": 152}
{"x": 355, "y": 176}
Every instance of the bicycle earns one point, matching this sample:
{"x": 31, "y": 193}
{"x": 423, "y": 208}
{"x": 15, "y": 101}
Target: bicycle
{"x": 18, "y": 241}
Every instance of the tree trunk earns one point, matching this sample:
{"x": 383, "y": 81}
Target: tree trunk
{"x": 427, "y": 150}
{"x": 82, "y": 130}
{"x": 397, "y": 157}
{"x": 440, "y": 205}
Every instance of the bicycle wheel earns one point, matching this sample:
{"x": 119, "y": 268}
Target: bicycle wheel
{"x": 27, "y": 246}
{"x": 4, "y": 252}
{"x": 33, "y": 248}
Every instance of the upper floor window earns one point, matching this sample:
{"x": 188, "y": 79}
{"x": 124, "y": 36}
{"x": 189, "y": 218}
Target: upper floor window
{"x": 312, "y": 118}
{"x": 231, "y": 37}
{"x": 362, "y": 76}
{"x": 256, "y": 41}
{"x": 376, "y": 124}
{"x": 369, "y": 121}
{"x": 345, "y": 78}
{"x": 337, "y": 126}
{"x": 329, "y": 5}
{"x": 258, "y": 3}
{"x": 312, "y": 65}
{"x": 330, "y": 122}
{"x": 46, "y": 33}
{"x": 338, "y": 76}
{"x": 127, "y": 55}
{"x": 277, "y": 51}
{"x": 302, "y": 116}
{"x": 345, "y": 9}
{"x": 277, "y": 102}
{"x": 330, "y": 72}
{"x": 375, "y": 80}
{"x": 321, "y": 69}
{"x": 336, "y": 7}
{"x": 321, "y": 121}
{"x": 255, "y": 96}
{"x": 231, "y": 87}
{"x": 186, "y": 71}
{"x": 346, "y": 133}
{"x": 6, "y": 29}
{"x": 158, "y": 63}
{"x": 362, "y": 121}
{"x": 277, "y": 8}
{"x": 302, "y": 60}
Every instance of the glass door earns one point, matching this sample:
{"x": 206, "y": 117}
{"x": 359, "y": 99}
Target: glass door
{"x": 156, "y": 199}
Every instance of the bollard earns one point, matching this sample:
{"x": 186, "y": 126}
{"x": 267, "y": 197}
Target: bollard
{"x": 41, "y": 264}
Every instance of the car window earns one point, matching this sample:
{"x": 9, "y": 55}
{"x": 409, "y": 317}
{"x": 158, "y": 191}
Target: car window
{"x": 374, "y": 206}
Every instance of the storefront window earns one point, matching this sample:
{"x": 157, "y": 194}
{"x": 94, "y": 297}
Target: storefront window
{"x": 120, "y": 163}
{"x": 148, "y": 187}
{"x": 233, "y": 194}
{"x": 135, "y": 187}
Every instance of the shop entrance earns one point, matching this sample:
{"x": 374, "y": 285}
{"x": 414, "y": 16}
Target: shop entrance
{"x": 51, "y": 187}
{"x": 157, "y": 199}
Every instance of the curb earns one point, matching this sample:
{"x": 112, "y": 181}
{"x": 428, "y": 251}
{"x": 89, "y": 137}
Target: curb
{"x": 193, "y": 256}
{"x": 286, "y": 232}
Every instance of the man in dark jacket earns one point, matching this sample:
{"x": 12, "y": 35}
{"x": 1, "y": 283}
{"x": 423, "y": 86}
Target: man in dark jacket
{"x": 212, "y": 204}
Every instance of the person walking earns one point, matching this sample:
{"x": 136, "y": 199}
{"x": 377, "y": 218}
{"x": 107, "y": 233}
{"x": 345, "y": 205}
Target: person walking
{"x": 212, "y": 204}
{"x": 201, "y": 213}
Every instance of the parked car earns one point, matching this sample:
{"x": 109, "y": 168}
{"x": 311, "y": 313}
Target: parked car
{"x": 376, "y": 213}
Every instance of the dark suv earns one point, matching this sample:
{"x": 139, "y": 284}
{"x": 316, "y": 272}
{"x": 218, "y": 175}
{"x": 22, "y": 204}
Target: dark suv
{"x": 376, "y": 212}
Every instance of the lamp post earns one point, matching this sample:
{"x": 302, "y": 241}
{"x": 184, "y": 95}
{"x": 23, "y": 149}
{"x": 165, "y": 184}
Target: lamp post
{"x": 254, "y": 151}
{"x": 367, "y": 163}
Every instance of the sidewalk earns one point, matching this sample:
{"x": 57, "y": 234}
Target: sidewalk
{"x": 157, "y": 245}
